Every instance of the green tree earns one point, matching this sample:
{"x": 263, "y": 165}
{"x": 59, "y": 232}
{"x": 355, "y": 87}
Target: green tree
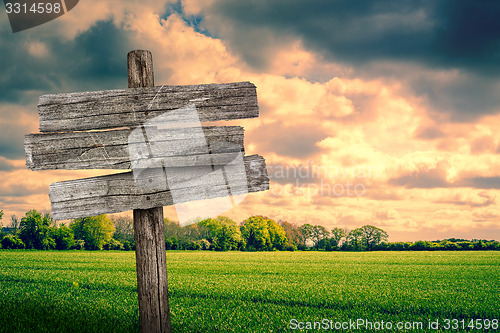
{"x": 292, "y": 235}
{"x": 63, "y": 237}
{"x": 337, "y": 235}
{"x": 124, "y": 229}
{"x": 355, "y": 240}
{"x": 262, "y": 233}
{"x": 306, "y": 232}
{"x": 223, "y": 233}
{"x": 172, "y": 229}
{"x": 318, "y": 233}
{"x": 421, "y": 245}
{"x": 256, "y": 234}
{"x": 277, "y": 235}
{"x": 35, "y": 231}
{"x": 372, "y": 236}
{"x": 14, "y": 224}
{"x": 95, "y": 231}
{"x": 190, "y": 233}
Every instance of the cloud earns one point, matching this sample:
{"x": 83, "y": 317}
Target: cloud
{"x": 437, "y": 33}
{"x": 486, "y": 216}
{"x": 15, "y": 122}
{"x": 481, "y": 182}
{"x": 14, "y": 186}
{"x": 386, "y": 214}
{"x": 295, "y": 141}
{"x": 463, "y": 95}
{"x": 384, "y": 194}
{"x": 446, "y": 51}
{"x": 428, "y": 133}
{"x": 423, "y": 177}
{"x": 9, "y": 165}
{"x": 294, "y": 174}
{"x": 480, "y": 199}
{"x": 95, "y": 59}
{"x": 484, "y": 144}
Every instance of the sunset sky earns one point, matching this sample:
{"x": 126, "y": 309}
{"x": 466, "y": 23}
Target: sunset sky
{"x": 386, "y": 111}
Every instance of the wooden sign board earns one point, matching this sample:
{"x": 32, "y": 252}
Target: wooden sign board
{"x": 134, "y": 107}
{"x": 156, "y": 132}
{"x": 111, "y": 149}
{"x": 121, "y": 192}
{"x": 84, "y": 135}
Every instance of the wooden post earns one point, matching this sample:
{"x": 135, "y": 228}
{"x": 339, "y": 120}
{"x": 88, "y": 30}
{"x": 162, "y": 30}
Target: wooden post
{"x": 152, "y": 287}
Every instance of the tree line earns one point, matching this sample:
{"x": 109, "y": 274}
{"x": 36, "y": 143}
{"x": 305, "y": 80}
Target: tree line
{"x": 257, "y": 233}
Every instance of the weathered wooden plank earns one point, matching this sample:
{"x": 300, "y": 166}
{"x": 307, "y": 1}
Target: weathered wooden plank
{"x": 121, "y": 192}
{"x": 124, "y": 149}
{"x": 134, "y": 107}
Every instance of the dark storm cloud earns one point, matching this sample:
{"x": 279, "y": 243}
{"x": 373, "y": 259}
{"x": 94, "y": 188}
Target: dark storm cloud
{"x": 434, "y": 35}
{"x": 12, "y": 141}
{"x": 6, "y": 165}
{"x": 445, "y": 33}
{"x": 95, "y": 59}
{"x": 464, "y": 96}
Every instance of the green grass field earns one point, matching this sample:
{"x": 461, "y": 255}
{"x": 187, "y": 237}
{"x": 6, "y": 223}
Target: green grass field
{"x": 247, "y": 292}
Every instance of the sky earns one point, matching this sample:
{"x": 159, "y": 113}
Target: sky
{"x": 382, "y": 113}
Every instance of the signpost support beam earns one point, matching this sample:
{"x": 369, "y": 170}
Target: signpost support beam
{"x": 152, "y": 287}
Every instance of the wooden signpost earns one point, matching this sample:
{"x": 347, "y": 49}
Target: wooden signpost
{"x": 123, "y": 129}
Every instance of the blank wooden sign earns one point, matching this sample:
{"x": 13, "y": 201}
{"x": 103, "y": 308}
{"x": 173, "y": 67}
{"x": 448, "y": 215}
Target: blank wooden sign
{"x": 156, "y": 129}
{"x": 111, "y": 149}
{"x": 134, "y": 107}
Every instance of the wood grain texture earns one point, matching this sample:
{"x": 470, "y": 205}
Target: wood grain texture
{"x": 122, "y": 149}
{"x": 121, "y": 192}
{"x": 134, "y": 107}
{"x": 152, "y": 285}
{"x": 140, "y": 69}
{"x": 151, "y": 263}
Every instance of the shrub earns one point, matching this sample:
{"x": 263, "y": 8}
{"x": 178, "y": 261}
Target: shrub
{"x": 113, "y": 244}
{"x": 127, "y": 246}
{"x": 171, "y": 244}
{"x": 63, "y": 237}
{"x": 191, "y": 245}
{"x": 204, "y": 244}
{"x": 79, "y": 244}
{"x": 12, "y": 242}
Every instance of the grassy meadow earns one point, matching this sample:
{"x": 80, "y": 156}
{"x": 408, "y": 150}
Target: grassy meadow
{"x": 80, "y": 291}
